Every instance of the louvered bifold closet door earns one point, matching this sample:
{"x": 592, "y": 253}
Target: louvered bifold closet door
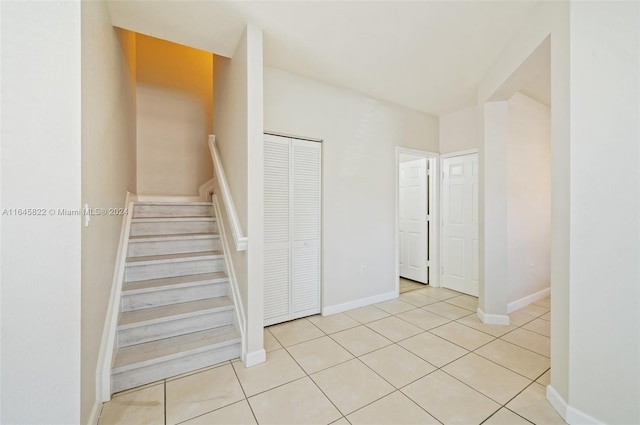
{"x": 305, "y": 244}
{"x": 277, "y": 235}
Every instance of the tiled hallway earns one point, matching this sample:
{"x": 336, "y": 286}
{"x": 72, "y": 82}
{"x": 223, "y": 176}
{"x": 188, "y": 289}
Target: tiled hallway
{"x": 424, "y": 358}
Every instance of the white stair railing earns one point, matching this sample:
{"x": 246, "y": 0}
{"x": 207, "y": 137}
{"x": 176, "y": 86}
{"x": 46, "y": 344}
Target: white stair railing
{"x": 239, "y": 239}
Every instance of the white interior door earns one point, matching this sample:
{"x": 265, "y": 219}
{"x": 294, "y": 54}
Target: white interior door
{"x": 413, "y": 225}
{"x": 460, "y": 223}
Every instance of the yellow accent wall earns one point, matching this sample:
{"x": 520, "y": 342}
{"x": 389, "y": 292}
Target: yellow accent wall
{"x": 174, "y": 97}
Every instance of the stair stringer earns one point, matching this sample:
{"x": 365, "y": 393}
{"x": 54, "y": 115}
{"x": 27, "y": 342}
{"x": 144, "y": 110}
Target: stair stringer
{"x": 240, "y": 317}
{"x": 108, "y": 345}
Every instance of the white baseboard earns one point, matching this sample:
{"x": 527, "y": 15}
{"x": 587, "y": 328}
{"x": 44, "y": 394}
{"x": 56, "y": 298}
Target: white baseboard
{"x": 570, "y": 414}
{"x": 254, "y": 358}
{"x": 492, "y": 319}
{"x": 163, "y": 198}
{"x": 339, "y": 308}
{"x": 206, "y": 190}
{"x": 529, "y": 299}
{"x": 95, "y": 413}
{"x": 108, "y": 343}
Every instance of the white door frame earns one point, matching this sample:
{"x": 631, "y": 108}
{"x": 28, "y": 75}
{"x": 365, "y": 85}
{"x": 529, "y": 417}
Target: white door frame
{"x": 443, "y": 157}
{"x": 434, "y": 202}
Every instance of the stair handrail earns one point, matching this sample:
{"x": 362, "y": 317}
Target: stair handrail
{"x": 239, "y": 239}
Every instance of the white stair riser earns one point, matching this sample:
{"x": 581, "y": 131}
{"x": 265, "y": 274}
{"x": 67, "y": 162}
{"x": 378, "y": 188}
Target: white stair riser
{"x": 176, "y": 327}
{"x": 135, "y": 273}
{"x": 141, "y": 376}
{"x": 142, "y": 210}
{"x": 173, "y": 296}
{"x": 172, "y": 227}
{"x": 180, "y": 246}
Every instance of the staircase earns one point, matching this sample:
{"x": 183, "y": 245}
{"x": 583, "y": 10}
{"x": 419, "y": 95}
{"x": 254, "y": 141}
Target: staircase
{"x": 176, "y": 310}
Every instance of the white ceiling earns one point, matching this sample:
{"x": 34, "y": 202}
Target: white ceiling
{"x": 426, "y": 55}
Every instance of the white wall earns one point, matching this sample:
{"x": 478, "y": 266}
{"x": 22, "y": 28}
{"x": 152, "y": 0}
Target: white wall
{"x": 108, "y": 171}
{"x": 238, "y": 123}
{"x": 174, "y": 117}
{"x": 605, "y": 211}
{"x": 359, "y": 136}
{"x": 528, "y": 196}
{"x": 40, "y": 304}
{"x": 548, "y": 19}
{"x": 459, "y": 130}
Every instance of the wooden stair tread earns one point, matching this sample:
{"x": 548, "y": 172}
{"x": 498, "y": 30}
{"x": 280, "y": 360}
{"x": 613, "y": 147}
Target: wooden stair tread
{"x": 169, "y": 258}
{"x": 148, "y": 353}
{"x": 171, "y": 219}
{"x": 173, "y": 311}
{"x": 173, "y": 237}
{"x": 152, "y": 285}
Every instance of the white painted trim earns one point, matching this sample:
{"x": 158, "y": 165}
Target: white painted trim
{"x": 254, "y": 358}
{"x": 459, "y": 153}
{"x": 339, "y": 308}
{"x": 168, "y": 198}
{"x": 291, "y": 136}
{"x": 570, "y": 414}
{"x": 231, "y": 274}
{"x": 529, "y": 299}
{"x": 434, "y": 199}
{"x": 206, "y": 190}
{"x": 239, "y": 239}
{"x": 108, "y": 344}
{"x": 95, "y": 413}
{"x": 493, "y": 319}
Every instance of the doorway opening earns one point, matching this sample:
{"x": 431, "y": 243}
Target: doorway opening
{"x": 417, "y": 215}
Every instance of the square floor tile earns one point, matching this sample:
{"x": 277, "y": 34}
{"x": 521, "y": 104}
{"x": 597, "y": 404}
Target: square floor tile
{"x": 433, "y": 349}
{"x": 334, "y": 323}
{"x": 462, "y": 335}
{"x": 475, "y": 323}
{"x": 545, "y": 379}
{"x": 438, "y": 293}
{"x": 279, "y": 369}
{"x": 409, "y": 285}
{"x": 394, "y": 328}
{"x": 534, "y": 310}
{"x": 449, "y": 400}
{"x": 546, "y": 316}
{"x": 416, "y": 299}
{"x": 545, "y": 302}
{"x": 395, "y": 306}
{"x": 397, "y": 365}
{"x": 235, "y": 414}
{"x": 496, "y": 382}
{"x": 140, "y": 407}
{"x": 295, "y": 332}
{"x": 532, "y": 404}
{"x": 270, "y": 341}
{"x": 506, "y": 417}
{"x": 394, "y": 409}
{"x": 298, "y": 402}
{"x": 200, "y": 393}
{"x": 530, "y": 340}
{"x": 539, "y": 326}
{"x": 518, "y": 318}
{"x": 423, "y": 319}
{"x": 447, "y": 310}
{"x": 360, "y": 340}
{"x": 351, "y": 385}
{"x": 513, "y": 357}
{"x": 465, "y": 301}
{"x": 319, "y": 354}
{"x": 367, "y": 314}
{"x": 341, "y": 421}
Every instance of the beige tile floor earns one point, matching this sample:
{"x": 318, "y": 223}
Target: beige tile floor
{"x": 423, "y": 358}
